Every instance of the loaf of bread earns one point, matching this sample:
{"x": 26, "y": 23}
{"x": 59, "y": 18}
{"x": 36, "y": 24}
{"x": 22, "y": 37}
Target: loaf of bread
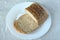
{"x": 37, "y": 12}
{"x": 35, "y": 16}
{"x": 25, "y": 24}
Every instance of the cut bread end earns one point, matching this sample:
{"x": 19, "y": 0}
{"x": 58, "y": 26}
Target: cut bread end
{"x": 27, "y": 12}
{"x": 16, "y": 26}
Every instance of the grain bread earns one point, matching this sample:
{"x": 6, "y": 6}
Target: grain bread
{"x": 25, "y": 24}
{"x": 37, "y": 12}
{"x": 35, "y": 16}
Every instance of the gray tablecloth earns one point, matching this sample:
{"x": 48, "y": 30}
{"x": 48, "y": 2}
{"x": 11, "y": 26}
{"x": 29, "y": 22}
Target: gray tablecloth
{"x": 53, "y": 7}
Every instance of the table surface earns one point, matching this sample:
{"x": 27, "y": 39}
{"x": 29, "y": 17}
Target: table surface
{"x": 53, "y": 7}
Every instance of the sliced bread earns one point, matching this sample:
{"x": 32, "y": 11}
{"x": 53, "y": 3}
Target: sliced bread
{"x": 25, "y": 24}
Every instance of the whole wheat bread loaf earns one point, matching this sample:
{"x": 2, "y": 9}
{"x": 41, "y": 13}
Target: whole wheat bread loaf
{"x": 37, "y": 12}
{"x": 35, "y": 16}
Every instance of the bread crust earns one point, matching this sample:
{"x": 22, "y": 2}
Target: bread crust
{"x": 38, "y": 13}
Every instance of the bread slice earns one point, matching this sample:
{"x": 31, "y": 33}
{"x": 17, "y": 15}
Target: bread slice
{"x": 25, "y": 24}
{"x": 37, "y": 12}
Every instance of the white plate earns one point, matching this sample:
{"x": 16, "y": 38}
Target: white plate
{"x": 19, "y": 10}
